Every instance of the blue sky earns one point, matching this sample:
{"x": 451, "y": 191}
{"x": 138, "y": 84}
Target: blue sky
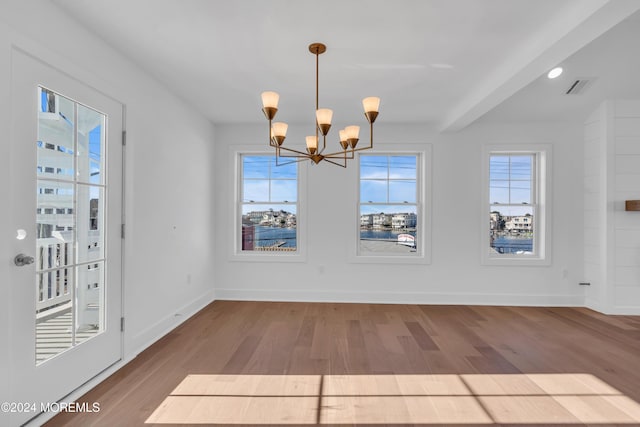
{"x": 388, "y": 184}
{"x": 264, "y": 182}
{"x": 511, "y": 184}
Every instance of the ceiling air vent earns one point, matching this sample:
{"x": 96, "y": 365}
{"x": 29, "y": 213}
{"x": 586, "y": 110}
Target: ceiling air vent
{"x": 579, "y": 85}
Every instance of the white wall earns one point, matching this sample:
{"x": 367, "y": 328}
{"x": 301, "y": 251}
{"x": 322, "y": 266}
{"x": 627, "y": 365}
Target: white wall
{"x": 455, "y": 274}
{"x": 612, "y": 235}
{"x": 169, "y": 181}
{"x": 626, "y": 295}
{"x": 595, "y": 208}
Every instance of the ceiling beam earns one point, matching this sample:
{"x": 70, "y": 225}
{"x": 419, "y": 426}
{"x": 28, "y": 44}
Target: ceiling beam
{"x": 570, "y": 30}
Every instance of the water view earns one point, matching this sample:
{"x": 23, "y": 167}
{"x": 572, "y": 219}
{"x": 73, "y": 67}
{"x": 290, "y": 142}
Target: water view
{"x": 275, "y": 236}
{"x": 286, "y": 237}
{"x": 512, "y": 245}
{"x": 384, "y": 234}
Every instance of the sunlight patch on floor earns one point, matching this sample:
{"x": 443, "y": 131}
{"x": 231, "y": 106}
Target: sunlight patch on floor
{"x": 398, "y": 399}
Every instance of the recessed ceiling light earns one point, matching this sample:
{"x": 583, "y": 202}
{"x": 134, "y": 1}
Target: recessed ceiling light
{"x": 555, "y": 72}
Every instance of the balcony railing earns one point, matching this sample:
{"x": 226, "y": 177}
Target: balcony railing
{"x": 53, "y": 281}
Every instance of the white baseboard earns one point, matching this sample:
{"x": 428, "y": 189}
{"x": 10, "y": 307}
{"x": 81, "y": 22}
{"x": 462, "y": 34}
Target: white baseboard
{"x": 620, "y": 310}
{"x": 153, "y": 333}
{"x": 401, "y": 298}
{"x": 623, "y": 310}
{"x": 594, "y": 305}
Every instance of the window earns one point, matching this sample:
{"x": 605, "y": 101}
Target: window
{"x": 268, "y": 205}
{"x": 390, "y": 217}
{"x": 516, "y": 193}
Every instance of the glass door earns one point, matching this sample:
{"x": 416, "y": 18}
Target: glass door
{"x": 66, "y": 180}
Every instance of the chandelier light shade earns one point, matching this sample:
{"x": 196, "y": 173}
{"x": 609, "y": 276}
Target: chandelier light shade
{"x": 348, "y": 137}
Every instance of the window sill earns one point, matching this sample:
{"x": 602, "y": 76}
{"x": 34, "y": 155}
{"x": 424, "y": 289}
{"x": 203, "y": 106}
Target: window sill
{"x": 274, "y": 257}
{"x": 517, "y": 261}
{"x": 389, "y": 259}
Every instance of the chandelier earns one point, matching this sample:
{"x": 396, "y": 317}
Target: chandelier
{"x": 349, "y": 136}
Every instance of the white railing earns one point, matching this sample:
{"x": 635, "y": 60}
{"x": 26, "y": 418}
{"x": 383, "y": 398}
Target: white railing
{"x": 53, "y": 283}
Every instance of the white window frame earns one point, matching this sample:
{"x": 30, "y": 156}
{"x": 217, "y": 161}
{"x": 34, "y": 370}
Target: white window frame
{"x": 237, "y": 254}
{"x": 542, "y": 205}
{"x": 423, "y": 207}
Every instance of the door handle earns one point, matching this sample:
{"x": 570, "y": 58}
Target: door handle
{"x": 22, "y": 260}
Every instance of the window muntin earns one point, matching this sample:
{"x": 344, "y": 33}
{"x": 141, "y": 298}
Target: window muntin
{"x": 268, "y": 205}
{"x": 512, "y": 203}
{"x": 388, "y": 205}
{"x": 516, "y": 191}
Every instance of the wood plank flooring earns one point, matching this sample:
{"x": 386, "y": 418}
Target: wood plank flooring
{"x": 261, "y": 363}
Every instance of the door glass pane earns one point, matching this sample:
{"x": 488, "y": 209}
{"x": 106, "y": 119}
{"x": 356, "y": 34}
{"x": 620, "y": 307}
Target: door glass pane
{"x": 70, "y": 256}
{"x": 90, "y": 226}
{"x": 90, "y": 145}
{"x": 90, "y": 301}
{"x": 54, "y": 224}
{"x": 54, "y": 318}
{"x": 55, "y": 137}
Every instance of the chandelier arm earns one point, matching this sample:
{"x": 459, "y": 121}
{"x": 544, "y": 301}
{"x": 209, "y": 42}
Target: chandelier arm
{"x": 360, "y": 149}
{"x": 336, "y": 163}
{"x": 370, "y": 140}
{"x": 333, "y": 155}
{"x": 339, "y": 155}
{"x": 324, "y": 144}
{"x": 353, "y": 150}
{"x": 302, "y": 154}
{"x": 271, "y": 142}
{"x": 342, "y": 156}
{"x": 299, "y": 159}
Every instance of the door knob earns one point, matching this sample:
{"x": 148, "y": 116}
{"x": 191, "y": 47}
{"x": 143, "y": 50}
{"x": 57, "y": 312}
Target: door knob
{"x": 22, "y": 259}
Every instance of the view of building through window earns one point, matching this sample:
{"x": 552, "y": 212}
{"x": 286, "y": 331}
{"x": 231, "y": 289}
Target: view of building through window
{"x": 388, "y": 204}
{"x": 268, "y": 204}
{"x": 512, "y": 203}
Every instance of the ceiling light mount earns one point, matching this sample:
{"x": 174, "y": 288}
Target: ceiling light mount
{"x": 317, "y": 48}
{"x": 349, "y": 136}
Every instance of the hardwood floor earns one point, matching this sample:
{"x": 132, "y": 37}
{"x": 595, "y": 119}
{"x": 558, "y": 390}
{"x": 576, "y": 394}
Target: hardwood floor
{"x": 266, "y": 363}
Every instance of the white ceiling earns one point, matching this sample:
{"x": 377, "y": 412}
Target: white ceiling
{"x": 446, "y": 62}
